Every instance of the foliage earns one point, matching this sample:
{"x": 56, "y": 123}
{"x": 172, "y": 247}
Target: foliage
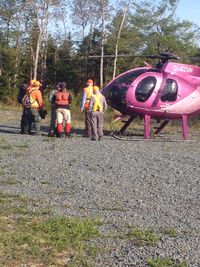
{"x": 29, "y": 29}
{"x": 143, "y": 236}
{"x": 166, "y": 262}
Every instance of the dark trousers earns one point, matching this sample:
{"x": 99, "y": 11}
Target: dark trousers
{"x": 88, "y": 126}
{"x": 26, "y": 121}
{"x": 53, "y": 118}
{"x": 97, "y": 124}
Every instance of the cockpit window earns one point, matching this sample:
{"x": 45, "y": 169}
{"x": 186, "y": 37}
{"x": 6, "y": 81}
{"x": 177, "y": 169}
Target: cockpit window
{"x": 128, "y": 78}
{"x": 145, "y": 88}
{"x": 116, "y": 90}
{"x": 170, "y": 91}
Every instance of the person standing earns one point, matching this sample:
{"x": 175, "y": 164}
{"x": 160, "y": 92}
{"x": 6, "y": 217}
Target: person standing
{"x": 36, "y": 102}
{"x": 26, "y": 108}
{"x": 97, "y": 106}
{"x": 86, "y": 97}
{"x": 53, "y": 111}
{"x": 62, "y": 102}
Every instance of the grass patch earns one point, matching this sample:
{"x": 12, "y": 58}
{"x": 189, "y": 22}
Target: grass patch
{"x": 35, "y": 238}
{"x": 10, "y": 181}
{"x": 170, "y": 231}
{"x": 47, "y": 241}
{"x": 4, "y": 146}
{"x": 23, "y": 146}
{"x": 142, "y": 237}
{"x": 166, "y": 262}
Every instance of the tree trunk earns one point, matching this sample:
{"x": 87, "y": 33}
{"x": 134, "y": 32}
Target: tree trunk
{"x": 102, "y": 42}
{"x": 117, "y": 42}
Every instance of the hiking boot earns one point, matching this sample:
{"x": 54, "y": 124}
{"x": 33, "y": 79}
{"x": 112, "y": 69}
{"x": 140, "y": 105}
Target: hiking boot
{"x": 22, "y": 132}
{"x": 60, "y": 135}
{"x": 68, "y": 135}
{"x": 51, "y": 134}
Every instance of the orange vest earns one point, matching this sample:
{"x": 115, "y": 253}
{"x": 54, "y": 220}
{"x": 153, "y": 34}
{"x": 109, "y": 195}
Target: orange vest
{"x": 89, "y": 92}
{"x": 62, "y": 98}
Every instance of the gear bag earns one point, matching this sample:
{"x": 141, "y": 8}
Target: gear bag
{"x": 26, "y": 102}
{"x": 27, "y": 99}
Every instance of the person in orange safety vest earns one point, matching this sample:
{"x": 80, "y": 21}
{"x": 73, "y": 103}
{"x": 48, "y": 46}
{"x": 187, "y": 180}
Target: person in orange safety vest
{"x": 86, "y": 97}
{"x": 36, "y": 103}
{"x": 63, "y": 100}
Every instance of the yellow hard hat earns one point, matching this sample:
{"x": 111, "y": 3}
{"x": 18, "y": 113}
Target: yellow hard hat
{"x": 31, "y": 83}
{"x": 95, "y": 88}
{"x": 37, "y": 84}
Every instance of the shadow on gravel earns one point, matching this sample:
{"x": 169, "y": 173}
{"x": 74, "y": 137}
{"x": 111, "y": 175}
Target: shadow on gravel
{"x": 9, "y": 129}
{"x": 9, "y": 126}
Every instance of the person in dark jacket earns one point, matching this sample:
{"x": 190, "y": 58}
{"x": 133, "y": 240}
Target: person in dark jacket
{"x": 26, "y": 118}
{"x": 52, "y": 127}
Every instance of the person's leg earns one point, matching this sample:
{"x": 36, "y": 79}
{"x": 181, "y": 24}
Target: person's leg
{"x": 59, "y": 117}
{"x": 94, "y": 126}
{"x": 100, "y": 124}
{"x": 53, "y": 119}
{"x": 88, "y": 124}
{"x": 37, "y": 119}
{"x": 67, "y": 117}
{"x": 23, "y": 122}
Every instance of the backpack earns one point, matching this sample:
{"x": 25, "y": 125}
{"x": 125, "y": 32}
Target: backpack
{"x": 27, "y": 99}
{"x": 21, "y": 93}
{"x": 26, "y": 102}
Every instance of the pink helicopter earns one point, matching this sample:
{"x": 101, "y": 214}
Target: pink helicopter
{"x": 167, "y": 92}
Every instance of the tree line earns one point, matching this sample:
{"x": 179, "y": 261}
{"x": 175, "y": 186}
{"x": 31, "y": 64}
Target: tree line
{"x": 70, "y": 40}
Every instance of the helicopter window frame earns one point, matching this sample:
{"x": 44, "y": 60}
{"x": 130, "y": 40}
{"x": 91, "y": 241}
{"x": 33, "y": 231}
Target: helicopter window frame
{"x": 145, "y": 88}
{"x": 169, "y": 93}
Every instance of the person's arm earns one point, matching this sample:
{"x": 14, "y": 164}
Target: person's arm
{"x": 105, "y": 106}
{"x": 70, "y": 99}
{"x": 39, "y": 99}
{"x": 83, "y": 101}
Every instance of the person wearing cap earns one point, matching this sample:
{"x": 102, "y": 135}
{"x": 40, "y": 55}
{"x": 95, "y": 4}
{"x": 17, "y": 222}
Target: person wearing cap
{"x": 97, "y": 106}
{"x": 87, "y": 94}
{"x": 63, "y": 100}
{"x": 36, "y": 102}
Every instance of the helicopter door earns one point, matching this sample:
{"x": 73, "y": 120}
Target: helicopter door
{"x": 145, "y": 88}
{"x": 170, "y": 91}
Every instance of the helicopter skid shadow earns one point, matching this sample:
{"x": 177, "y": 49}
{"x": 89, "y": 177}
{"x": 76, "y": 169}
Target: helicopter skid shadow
{"x": 164, "y": 140}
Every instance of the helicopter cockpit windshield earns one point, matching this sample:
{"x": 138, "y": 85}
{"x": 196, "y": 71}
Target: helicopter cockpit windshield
{"x": 115, "y": 92}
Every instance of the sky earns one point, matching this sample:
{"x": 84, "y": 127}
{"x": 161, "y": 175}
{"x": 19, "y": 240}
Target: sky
{"x": 190, "y": 10}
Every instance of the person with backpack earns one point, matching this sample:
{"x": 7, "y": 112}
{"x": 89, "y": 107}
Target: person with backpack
{"x": 34, "y": 96}
{"x": 97, "y": 106}
{"x": 87, "y": 94}
{"x": 63, "y": 100}
{"x": 26, "y": 116}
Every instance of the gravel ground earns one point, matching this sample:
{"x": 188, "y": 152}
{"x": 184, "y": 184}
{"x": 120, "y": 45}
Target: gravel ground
{"x": 146, "y": 184}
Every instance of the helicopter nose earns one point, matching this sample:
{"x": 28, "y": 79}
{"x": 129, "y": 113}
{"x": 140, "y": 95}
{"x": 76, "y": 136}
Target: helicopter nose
{"x": 116, "y": 95}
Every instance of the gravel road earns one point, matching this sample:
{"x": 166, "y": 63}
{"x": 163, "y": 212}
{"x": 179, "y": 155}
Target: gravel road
{"x": 146, "y": 184}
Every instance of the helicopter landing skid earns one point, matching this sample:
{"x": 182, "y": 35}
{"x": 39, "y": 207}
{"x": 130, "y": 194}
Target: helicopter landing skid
{"x": 126, "y": 124}
{"x": 161, "y": 127}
